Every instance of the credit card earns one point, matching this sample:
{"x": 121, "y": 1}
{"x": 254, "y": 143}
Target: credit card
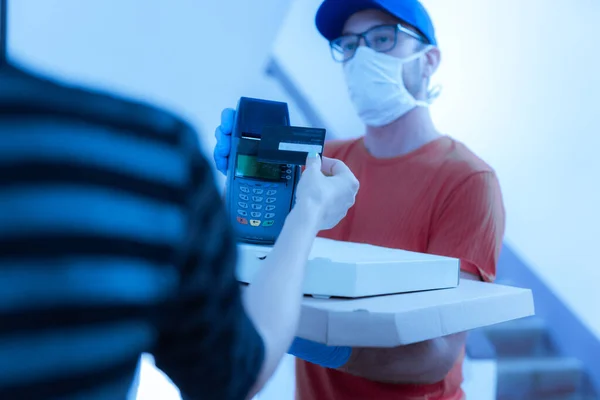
{"x": 289, "y": 144}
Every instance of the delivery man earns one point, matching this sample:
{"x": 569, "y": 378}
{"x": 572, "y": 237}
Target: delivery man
{"x": 420, "y": 191}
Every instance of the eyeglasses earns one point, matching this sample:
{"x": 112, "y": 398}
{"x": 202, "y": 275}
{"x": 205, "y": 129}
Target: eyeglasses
{"x": 380, "y": 38}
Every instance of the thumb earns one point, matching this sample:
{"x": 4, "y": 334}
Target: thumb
{"x": 313, "y": 161}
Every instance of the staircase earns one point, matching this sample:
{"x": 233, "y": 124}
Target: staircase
{"x": 528, "y": 365}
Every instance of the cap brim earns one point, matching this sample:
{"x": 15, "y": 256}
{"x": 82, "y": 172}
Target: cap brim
{"x": 332, "y": 15}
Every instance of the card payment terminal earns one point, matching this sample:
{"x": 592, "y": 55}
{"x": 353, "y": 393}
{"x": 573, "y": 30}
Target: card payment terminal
{"x": 260, "y": 193}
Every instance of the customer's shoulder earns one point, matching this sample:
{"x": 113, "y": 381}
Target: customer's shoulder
{"x": 31, "y": 93}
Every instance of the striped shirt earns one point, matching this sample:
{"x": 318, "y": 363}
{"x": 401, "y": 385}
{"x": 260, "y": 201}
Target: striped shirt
{"x": 113, "y": 242}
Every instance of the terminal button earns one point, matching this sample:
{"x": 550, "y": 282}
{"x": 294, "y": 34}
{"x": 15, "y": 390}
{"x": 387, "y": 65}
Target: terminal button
{"x": 243, "y": 213}
{"x": 242, "y": 221}
{"x": 268, "y": 223}
{"x": 242, "y": 204}
{"x": 244, "y": 189}
{"x": 255, "y": 222}
{"x": 270, "y": 208}
{"x": 269, "y": 215}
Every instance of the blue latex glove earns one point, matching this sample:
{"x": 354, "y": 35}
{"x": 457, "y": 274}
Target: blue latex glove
{"x": 223, "y": 135}
{"x": 320, "y": 354}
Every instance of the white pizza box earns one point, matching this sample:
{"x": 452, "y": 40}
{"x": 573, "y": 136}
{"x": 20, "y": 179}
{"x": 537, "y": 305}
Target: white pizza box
{"x": 352, "y": 270}
{"x": 396, "y": 320}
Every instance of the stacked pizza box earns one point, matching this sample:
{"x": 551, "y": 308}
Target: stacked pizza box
{"x": 364, "y": 295}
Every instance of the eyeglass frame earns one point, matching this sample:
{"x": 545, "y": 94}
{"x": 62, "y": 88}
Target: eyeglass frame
{"x": 399, "y": 28}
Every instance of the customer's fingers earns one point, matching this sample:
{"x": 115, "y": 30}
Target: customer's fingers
{"x": 313, "y": 161}
{"x": 334, "y": 167}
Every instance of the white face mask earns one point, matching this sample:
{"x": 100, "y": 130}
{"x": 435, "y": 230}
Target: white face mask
{"x": 377, "y": 88}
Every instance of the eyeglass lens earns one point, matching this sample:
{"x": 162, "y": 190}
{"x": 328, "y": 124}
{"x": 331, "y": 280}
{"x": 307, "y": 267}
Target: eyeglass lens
{"x": 381, "y": 39}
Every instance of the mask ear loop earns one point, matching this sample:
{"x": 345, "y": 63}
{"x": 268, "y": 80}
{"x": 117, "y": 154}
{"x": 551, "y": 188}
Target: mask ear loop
{"x": 416, "y": 55}
{"x": 436, "y": 90}
{"x": 434, "y": 93}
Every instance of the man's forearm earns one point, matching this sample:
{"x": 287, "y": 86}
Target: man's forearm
{"x": 425, "y": 362}
{"x": 420, "y": 363}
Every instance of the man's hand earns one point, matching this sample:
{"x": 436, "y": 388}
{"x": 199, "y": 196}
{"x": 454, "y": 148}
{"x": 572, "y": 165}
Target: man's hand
{"x": 223, "y": 136}
{"x": 320, "y": 354}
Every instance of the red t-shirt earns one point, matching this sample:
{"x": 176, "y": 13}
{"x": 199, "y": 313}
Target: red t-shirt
{"x": 439, "y": 199}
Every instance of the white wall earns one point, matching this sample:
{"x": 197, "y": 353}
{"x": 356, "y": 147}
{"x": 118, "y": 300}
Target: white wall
{"x": 195, "y": 57}
{"x": 521, "y": 82}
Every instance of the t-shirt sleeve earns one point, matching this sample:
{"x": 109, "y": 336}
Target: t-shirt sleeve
{"x": 470, "y": 224}
{"x": 207, "y": 344}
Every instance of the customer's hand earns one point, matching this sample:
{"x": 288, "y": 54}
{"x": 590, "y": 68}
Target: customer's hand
{"x": 328, "y": 187}
{"x": 223, "y": 135}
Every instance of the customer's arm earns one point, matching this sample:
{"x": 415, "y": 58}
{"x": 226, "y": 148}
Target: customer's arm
{"x": 206, "y": 343}
{"x": 211, "y": 347}
{"x": 273, "y": 299}
{"x": 470, "y": 227}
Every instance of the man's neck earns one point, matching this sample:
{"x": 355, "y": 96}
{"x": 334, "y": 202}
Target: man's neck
{"x": 402, "y": 136}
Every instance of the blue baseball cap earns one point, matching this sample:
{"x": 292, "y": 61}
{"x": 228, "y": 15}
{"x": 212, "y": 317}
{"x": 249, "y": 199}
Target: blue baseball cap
{"x": 333, "y": 14}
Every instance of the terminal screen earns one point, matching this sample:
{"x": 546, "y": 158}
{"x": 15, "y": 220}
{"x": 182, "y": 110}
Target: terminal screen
{"x": 250, "y": 167}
